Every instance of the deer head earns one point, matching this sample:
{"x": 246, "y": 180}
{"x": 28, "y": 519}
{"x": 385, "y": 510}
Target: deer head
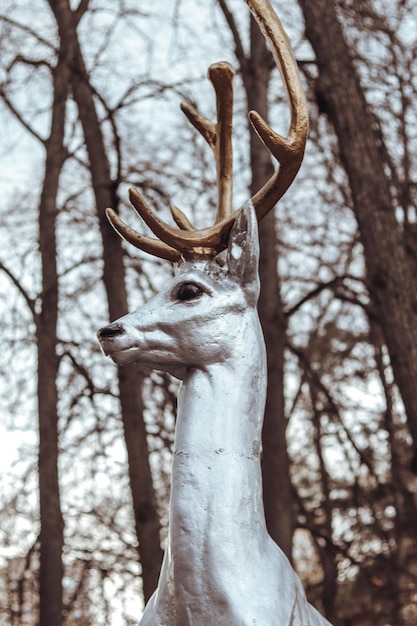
{"x": 201, "y": 283}
{"x": 196, "y": 320}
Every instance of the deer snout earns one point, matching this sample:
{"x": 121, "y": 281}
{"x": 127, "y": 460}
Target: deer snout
{"x": 110, "y": 332}
{"x": 117, "y": 341}
{"x": 110, "y": 338}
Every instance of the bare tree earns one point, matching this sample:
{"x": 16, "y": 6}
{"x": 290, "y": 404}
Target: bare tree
{"x": 45, "y": 315}
{"x": 255, "y": 68}
{"x": 350, "y": 514}
{"x": 390, "y": 273}
{"x": 51, "y": 533}
{"x": 144, "y": 502}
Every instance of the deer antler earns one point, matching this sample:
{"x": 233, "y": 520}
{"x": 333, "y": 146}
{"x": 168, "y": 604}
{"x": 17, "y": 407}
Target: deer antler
{"x": 186, "y": 241}
{"x": 219, "y": 136}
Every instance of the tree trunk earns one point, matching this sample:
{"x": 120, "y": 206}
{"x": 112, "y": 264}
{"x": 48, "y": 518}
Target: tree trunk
{"x": 390, "y": 277}
{"x": 130, "y": 380}
{"x": 389, "y": 271}
{"x": 52, "y": 527}
{"x": 278, "y": 500}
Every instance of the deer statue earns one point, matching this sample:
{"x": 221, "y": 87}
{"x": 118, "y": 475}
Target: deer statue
{"x": 221, "y": 567}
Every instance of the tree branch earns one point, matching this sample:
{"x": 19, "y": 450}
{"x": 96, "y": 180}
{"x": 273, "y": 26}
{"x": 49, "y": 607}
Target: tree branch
{"x": 340, "y": 290}
{"x": 27, "y": 30}
{"x": 80, "y": 10}
{"x": 29, "y": 301}
{"x": 312, "y": 294}
{"x": 19, "y": 117}
{"x": 332, "y": 405}
{"x": 239, "y": 50}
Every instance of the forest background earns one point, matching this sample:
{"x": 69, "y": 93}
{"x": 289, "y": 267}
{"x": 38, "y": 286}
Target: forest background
{"x": 89, "y": 96}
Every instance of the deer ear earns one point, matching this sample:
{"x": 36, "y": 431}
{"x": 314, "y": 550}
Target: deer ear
{"x": 243, "y": 252}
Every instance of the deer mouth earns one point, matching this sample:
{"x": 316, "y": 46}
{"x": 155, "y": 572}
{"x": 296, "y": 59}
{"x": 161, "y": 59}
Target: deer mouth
{"x": 121, "y": 356}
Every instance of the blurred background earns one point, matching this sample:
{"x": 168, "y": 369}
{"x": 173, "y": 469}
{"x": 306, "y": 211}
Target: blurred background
{"x": 89, "y": 105}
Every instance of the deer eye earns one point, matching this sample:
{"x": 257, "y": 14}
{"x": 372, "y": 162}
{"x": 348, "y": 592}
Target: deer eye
{"x": 188, "y": 291}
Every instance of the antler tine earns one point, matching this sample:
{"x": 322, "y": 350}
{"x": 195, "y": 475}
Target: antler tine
{"x": 180, "y": 219}
{"x": 219, "y": 136}
{"x": 289, "y": 151}
{"x": 221, "y": 76}
{"x": 172, "y": 244}
{"x": 206, "y": 128}
{"x": 151, "y": 246}
{"x": 205, "y": 242}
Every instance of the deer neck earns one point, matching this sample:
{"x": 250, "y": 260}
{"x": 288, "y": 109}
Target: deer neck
{"x": 216, "y": 492}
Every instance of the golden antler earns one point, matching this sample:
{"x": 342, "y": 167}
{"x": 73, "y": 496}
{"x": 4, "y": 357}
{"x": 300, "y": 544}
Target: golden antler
{"x": 185, "y": 241}
{"x": 219, "y": 136}
{"x": 289, "y": 151}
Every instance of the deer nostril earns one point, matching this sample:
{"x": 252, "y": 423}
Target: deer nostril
{"x": 111, "y": 331}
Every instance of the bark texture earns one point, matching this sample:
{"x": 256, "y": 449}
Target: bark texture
{"x": 51, "y": 521}
{"x": 389, "y": 270}
{"x": 278, "y": 500}
{"x": 256, "y": 69}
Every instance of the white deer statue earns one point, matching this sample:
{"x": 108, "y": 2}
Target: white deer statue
{"x": 221, "y": 567}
